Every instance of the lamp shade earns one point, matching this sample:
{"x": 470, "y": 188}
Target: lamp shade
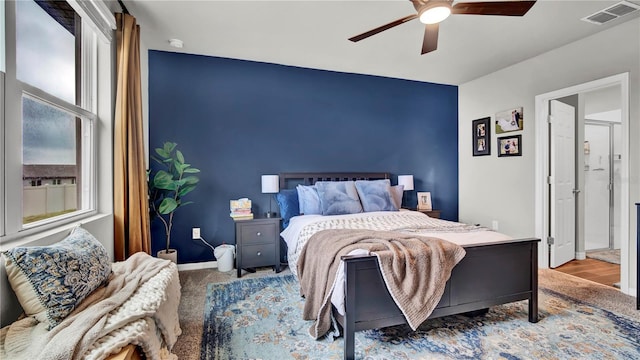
{"x": 407, "y": 181}
{"x": 270, "y": 184}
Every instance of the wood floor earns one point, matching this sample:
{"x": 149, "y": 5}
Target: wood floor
{"x": 598, "y": 271}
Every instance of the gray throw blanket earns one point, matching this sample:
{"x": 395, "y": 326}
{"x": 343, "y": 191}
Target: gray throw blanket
{"x": 415, "y": 270}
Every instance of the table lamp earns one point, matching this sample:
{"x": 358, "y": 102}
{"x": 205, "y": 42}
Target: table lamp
{"x": 270, "y": 185}
{"x": 407, "y": 182}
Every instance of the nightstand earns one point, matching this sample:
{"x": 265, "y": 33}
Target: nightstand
{"x": 431, "y": 213}
{"x": 257, "y": 244}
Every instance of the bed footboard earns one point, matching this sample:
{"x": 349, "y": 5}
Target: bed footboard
{"x": 489, "y": 275}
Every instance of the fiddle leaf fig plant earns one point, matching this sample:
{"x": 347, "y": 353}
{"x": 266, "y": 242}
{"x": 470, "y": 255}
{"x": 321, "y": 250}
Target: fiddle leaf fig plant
{"x": 168, "y": 185}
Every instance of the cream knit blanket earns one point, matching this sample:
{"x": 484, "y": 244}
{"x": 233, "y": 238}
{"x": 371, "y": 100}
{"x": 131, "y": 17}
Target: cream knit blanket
{"x": 415, "y": 270}
{"x": 139, "y": 305}
{"x": 403, "y": 221}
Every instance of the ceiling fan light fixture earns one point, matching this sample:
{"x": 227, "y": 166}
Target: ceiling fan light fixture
{"x": 435, "y": 13}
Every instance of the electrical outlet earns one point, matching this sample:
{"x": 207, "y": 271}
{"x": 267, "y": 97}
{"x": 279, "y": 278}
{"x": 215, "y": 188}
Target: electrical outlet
{"x": 195, "y": 233}
{"x": 494, "y": 225}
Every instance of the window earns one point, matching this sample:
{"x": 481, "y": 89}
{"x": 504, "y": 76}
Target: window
{"x": 51, "y": 90}
{"x": 46, "y": 46}
{"x": 48, "y": 49}
{"x": 50, "y": 149}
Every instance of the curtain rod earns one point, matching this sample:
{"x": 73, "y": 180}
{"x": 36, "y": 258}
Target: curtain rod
{"x": 124, "y": 8}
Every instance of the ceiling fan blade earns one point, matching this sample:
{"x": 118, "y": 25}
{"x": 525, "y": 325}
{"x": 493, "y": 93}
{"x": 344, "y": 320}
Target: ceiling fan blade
{"x": 430, "y": 41}
{"x": 504, "y": 8}
{"x": 382, "y": 28}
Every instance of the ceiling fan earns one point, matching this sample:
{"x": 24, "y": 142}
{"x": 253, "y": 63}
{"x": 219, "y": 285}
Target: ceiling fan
{"x": 432, "y": 12}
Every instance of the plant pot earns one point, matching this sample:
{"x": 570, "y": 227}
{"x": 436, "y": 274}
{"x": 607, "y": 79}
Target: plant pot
{"x": 172, "y": 255}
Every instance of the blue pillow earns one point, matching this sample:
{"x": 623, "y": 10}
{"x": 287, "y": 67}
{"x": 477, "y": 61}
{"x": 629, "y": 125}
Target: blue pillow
{"x": 309, "y": 200}
{"x": 375, "y": 195}
{"x": 289, "y": 205}
{"x": 338, "y": 197}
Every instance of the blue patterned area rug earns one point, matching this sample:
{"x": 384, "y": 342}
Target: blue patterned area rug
{"x": 261, "y": 319}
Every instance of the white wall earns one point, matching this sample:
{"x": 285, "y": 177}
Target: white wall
{"x": 601, "y": 101}
{"x": 502, "y": 189}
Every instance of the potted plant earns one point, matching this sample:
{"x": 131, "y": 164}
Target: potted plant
{"x": 167, "y": 186}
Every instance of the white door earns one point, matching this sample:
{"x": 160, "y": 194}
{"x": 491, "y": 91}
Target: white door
{"x": 562, "y": 184}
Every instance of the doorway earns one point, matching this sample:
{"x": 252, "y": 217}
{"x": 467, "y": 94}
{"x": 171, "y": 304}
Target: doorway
{"x": 592, "y": 229}
{"x": 545, "y": 180}
{"x": 602, "y": 189}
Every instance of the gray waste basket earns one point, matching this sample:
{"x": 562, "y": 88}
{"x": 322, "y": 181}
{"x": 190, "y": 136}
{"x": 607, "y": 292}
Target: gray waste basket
{"x": 225, "y": 255}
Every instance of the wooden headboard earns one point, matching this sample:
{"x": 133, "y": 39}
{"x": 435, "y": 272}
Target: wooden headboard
{"x": 290, "y": 180}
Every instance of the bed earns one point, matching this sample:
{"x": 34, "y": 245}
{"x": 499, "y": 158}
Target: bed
{"x": 495, "y": 270}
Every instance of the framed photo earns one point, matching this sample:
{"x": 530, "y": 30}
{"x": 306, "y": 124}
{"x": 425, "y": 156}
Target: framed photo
{"x": 424, "y": 201}
{"x": 509, "y": 120}
{"x": 481, "y": 137}
{"x": 510, "y": 145}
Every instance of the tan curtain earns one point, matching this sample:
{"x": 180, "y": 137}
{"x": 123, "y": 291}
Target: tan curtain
{"x": 130, "y": 204}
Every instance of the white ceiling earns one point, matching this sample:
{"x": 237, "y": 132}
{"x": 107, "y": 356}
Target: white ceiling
{"x": 314, "y": 34}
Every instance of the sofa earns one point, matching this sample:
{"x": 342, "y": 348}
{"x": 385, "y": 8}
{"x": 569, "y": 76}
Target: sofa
{"x": 77, "y": 304}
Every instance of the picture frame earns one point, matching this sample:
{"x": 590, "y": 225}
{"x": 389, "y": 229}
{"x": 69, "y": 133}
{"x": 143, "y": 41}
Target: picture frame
{"x": 510, "y": 146}
{"x": 424, "y": 201}
{"x": 481, "y": 129}
{"x": 509, "y": 120}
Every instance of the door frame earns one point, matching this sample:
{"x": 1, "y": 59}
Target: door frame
{"x": 541, "y": 198}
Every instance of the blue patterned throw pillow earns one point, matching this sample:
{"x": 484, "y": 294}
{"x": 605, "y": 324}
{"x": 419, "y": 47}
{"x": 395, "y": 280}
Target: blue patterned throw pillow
{"x": 289, "y": 205}
{"x": 375, "y": 195}
{"x": 338, "y": 197}
{"x": 50, "y": 281}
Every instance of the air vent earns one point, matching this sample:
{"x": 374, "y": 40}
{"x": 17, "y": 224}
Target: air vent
{"x": 622, "y": 8}
{"x": 611, "y": 13}
{"x": 601, "y": 18}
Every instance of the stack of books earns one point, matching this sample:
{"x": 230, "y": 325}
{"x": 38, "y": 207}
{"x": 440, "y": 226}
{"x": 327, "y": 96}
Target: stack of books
{"x": 240, "y": 209}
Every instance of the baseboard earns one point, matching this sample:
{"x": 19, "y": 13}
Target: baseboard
{"x": 198, "y": 266}
{"x": 632, "y": 292}
{"x": 581, "y": 255}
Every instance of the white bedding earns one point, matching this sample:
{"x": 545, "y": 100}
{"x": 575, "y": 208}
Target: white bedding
{"x": 301, "y": 228}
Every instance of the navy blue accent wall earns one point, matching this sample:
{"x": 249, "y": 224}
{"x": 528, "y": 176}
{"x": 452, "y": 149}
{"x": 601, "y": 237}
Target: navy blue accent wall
{"x": 237, "y": 120}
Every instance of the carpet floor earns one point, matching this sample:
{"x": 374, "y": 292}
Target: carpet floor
{"x": 610, "y": 256}
{"x": 605, "y": 299}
